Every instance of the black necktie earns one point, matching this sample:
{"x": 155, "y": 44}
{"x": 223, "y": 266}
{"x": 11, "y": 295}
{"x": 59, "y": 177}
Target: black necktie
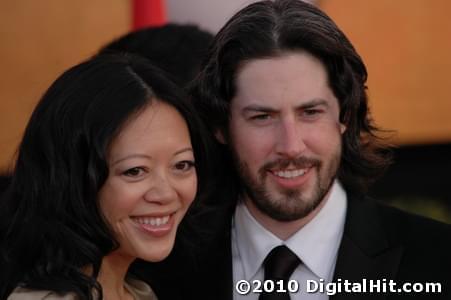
{"x": 279, "y": 265}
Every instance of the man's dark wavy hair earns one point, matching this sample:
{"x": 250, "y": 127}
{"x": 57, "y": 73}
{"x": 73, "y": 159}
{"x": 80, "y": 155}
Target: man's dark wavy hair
{"x": 273, "y": 28}
{"x": 51, "y": 225}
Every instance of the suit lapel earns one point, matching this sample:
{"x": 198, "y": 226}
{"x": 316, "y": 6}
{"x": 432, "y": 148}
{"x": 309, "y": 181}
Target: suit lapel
{"x": 365, "y": 252}
{"x": 215, "y": 261}
{"x": 219, "y": 274}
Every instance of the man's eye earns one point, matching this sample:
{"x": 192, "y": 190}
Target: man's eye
{"x": 311, "y": 113}
{"x": 261, "y": 117}
{"x": 134, "y": 172}
{"x": 185, "y": 165}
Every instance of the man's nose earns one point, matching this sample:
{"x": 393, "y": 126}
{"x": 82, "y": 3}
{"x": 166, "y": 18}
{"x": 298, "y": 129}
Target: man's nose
{"x": 160, "y": 190}
{"x": 290, "y": 142}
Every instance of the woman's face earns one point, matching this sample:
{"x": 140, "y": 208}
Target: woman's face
{"x": 151, "y": 183}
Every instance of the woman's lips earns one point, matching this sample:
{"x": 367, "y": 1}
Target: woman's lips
{"x": 155, "y": 226}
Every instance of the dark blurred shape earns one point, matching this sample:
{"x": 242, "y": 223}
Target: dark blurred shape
{"x": 5, "y": 179}
{"x": 419, "y": 180}
{"x": 177, "y": 49}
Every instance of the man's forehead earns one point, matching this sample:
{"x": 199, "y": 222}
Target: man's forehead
{"x": 294, "y": 78}
{"x": 278, "y": 58}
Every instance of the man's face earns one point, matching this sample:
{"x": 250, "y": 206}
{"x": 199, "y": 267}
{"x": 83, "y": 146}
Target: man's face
{"x": 285, "y": 133}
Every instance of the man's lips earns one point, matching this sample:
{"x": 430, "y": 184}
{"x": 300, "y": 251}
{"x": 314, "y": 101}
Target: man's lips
{"x": 287, "y": 174}
{"x": 290, "y": 178}
{"x": 291, "y": 164}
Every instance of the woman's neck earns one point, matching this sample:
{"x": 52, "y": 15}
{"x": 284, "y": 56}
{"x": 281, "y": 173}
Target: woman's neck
{"x": 113, "y": 271}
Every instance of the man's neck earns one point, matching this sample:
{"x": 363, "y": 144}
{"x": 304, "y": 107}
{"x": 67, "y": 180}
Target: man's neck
{"x": 282, "y": 229}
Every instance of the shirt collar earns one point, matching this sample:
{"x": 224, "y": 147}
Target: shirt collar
{"x": 316, "y": 244}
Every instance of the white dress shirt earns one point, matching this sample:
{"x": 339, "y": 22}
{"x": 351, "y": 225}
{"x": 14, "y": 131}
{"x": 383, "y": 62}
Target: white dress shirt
{"x": 316, "y": 244}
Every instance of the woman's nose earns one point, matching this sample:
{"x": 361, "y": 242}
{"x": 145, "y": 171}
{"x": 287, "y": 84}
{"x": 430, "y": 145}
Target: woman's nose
{"x": 160, "y": 190}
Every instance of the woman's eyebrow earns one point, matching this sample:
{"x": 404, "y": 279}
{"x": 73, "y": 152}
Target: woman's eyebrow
{"x": 187, "y": 149}
{"x": 135, "y": 155}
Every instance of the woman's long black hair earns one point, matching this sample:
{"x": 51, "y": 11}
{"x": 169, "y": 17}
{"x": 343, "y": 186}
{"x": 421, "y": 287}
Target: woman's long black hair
{"x": 50, "y": 222}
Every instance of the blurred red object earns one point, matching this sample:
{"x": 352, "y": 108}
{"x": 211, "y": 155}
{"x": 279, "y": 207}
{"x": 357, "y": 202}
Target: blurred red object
{"x": 148, "y": 13}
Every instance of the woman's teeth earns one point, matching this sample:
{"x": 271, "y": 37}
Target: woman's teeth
{"x": 153, "y": 221}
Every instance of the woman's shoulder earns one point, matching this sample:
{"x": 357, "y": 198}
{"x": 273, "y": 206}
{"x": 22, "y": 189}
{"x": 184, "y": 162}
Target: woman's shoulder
{"x": 139, "y": 289}
{"x": 27, "y": 294}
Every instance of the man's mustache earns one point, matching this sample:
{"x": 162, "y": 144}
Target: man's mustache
{"x": 297, "y": 163}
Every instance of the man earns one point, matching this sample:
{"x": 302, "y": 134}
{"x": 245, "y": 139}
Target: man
{"x": 283, "y": 91}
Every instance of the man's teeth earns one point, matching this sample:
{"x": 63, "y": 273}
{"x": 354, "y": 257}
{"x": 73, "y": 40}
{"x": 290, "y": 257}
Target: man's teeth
{"x": 152, "y": 221}
{"x": 290, "y": 173}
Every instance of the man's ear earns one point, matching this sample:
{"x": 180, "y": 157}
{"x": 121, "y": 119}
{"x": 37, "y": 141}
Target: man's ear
{"x": 219, "y": 135}
{"x": 342, "y": 128}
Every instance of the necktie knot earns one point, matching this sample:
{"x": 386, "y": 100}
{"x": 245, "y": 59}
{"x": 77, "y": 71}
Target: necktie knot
{"x": 279, "y": 265}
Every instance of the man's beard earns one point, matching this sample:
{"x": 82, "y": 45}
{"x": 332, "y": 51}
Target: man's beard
{"x": 290, "y": 204}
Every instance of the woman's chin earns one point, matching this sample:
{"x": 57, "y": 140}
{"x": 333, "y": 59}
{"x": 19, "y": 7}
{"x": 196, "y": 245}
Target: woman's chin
{"x": 156, "y": 254}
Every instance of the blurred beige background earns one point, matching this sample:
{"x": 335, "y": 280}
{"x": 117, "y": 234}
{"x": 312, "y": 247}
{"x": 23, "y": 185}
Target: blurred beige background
{"x": 406, "y": 45}
{"x": 38, "y": 41}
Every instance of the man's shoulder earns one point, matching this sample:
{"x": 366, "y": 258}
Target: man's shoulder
{"x": 374, "y": 227}
{"x": 396, "y": 223}
{"x": 413, "y": 228}
{"x": 423, "y": 241}
{"x": 380, "y": 241}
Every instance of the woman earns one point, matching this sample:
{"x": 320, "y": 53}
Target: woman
{"x": 109, "y": 163}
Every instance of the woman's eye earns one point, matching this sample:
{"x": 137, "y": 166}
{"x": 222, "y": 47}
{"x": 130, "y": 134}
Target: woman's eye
{"x": 185, "y": 165}
{"x": 134, "y": 172}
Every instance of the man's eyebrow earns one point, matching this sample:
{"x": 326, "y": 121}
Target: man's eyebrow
{"x": 258, "y": 108}
{"x": 267, "y": 109}
{"x": 313, "y": 103}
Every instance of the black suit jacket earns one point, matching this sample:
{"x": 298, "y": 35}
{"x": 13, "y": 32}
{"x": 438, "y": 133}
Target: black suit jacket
{"x": 379, "y": 242}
